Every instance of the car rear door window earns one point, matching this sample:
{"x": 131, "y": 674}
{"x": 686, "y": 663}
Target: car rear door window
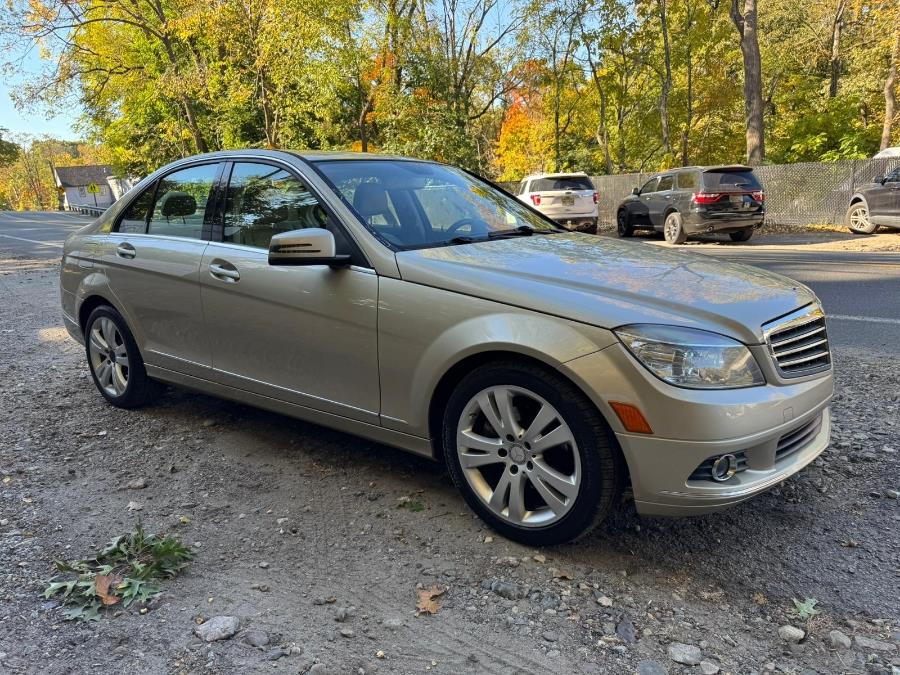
{"x": 687, "y": 180}
{"x": 181, "y": 200}
{"x": 730, "y": 180}
{"x": 665, "y": 183}
{"x": 134, "y": 220}
{"x": 263, "y": 200}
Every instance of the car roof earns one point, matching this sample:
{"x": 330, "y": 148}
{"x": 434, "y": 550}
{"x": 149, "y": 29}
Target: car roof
{"x": 705, "y": 169}
{"x": 307, "y": 155}
{"x": 563, "y": 174}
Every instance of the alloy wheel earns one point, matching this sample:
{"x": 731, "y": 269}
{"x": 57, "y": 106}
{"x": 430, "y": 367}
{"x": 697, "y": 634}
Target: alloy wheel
{"x": 859, "y": 217}
{"x": 108, "y": 356}
{"x": 519, "y": 456}
{"x": 671, "y": 231}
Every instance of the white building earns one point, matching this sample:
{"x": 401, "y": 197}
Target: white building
{"x": 88, "y": 186}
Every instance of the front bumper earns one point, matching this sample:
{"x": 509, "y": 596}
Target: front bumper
{"x": 691, "y": 426}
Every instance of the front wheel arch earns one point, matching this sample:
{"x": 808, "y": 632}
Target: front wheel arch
{"x": 454, "y": 375}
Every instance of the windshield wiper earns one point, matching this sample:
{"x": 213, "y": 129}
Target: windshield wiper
{"x": 520, "y": 231}
{"x": 462, "y": 239}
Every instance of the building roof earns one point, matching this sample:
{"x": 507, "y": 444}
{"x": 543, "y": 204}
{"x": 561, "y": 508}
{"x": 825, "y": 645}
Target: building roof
{"x": 77, "y": 176}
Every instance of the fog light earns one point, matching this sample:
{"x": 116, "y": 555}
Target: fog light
{"x": 724, "y": 468}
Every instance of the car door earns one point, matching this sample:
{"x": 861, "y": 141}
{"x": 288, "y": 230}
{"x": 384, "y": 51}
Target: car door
{"x": 152, "y": 261}
{"x": 639, "y": 206}
{"x": 887, "y": 207}
{"x": 660, "y": 200}
{"x": 305, "y": 335}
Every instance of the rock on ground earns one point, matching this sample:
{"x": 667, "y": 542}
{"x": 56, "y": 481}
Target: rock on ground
{"x": 688, "y": 655}
{"x": 218, "y": 628}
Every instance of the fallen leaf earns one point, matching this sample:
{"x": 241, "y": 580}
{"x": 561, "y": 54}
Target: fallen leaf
{"x": 426, "y": 602}
{"x": 759, "y": 598}
{"x": 102, "y": 582}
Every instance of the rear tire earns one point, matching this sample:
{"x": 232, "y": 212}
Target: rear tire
{"x": 581, "y": 462}
{"x": 857, "y": 219}
{"x": 114, "y": 360}
{"x": 673, "y": 230}
{"x": 624, "y": 228}
{"x": 741, "y": 235}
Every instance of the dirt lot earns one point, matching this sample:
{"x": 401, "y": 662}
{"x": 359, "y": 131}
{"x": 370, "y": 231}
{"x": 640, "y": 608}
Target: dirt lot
{"x": 293, "y": 525}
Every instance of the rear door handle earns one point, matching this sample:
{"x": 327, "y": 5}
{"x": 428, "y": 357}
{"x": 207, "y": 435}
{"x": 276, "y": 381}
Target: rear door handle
{"x": 228, "y": 274}
{"x": 125, "y": 250}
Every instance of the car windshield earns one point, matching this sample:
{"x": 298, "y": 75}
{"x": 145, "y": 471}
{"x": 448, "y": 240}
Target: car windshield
{"x": 730, "y": 180}
{"x": 561, "y": 183}
{"x": 411, "y": 204}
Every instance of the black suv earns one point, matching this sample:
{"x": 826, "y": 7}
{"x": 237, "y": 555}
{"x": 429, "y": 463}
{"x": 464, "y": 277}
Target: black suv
{"x": 875, "y": 204}
{"x": 695, "y": 200}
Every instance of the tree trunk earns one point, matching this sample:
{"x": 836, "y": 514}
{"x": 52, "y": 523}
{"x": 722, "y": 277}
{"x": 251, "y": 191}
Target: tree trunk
{"x": 667, "y": 77}
{"x": 890, "y": 95}
{"x": 746, "y": 24}
{"x": 689, "y": 109}
{"x": 836, "y": 29}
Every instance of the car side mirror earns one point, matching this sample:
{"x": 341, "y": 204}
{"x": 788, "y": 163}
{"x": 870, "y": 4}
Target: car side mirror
{"x": 309, "y": 246}
{"x": 635, "y": 191}
{"x": 879, "y": 180}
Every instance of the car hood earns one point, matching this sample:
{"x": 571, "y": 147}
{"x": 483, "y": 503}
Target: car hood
{"x": 608, "y": 283}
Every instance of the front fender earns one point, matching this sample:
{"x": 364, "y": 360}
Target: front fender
{"x": 424, "y": 332}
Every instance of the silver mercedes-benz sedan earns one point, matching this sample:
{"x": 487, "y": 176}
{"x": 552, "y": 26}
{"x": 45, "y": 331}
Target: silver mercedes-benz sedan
{"x": 417, "y": 305}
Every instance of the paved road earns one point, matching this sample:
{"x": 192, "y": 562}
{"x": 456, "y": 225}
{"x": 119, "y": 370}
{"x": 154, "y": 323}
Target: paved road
{"x": 860, "y": 291}
{"x": 37, "y": 234}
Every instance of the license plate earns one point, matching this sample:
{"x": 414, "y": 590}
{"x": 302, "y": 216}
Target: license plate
{"x": 568, "y": 201}
{"x": 736, "y": 199}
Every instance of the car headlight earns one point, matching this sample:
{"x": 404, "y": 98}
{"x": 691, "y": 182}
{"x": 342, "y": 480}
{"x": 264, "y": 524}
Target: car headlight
{"x": 691, "y": 358}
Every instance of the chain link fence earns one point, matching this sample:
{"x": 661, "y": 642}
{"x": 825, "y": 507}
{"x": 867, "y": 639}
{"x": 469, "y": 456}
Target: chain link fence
{"x": 809, "y": 193}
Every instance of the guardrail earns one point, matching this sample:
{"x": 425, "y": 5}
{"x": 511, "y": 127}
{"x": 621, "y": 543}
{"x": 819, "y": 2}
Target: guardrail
{"x": 88, "y": 210}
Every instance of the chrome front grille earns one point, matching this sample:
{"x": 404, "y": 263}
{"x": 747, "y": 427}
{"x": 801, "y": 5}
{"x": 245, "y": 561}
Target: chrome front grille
{"x": 799, "y": 343}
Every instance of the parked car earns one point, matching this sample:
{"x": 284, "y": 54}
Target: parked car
{"x": 568, "y": 198}
{"x": 877, "y": 203}
{"x": 695, "y": 200}
{"x": 887, "y": 153}
{"x": 416, "y": 305}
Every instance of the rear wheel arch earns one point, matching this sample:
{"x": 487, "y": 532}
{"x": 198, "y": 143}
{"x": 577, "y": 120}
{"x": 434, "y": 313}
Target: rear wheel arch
{"x": 88, "y": 305}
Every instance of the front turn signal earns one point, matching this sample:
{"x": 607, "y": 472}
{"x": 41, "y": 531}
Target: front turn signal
{"x": 631, "y": 417}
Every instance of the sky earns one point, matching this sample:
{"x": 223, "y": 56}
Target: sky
{"x": 34, "y": 122}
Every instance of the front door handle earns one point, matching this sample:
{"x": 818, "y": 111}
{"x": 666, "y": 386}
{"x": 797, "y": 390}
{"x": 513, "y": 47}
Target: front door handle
{"x": 125, "y": 250}
{"x": 228, "y": 274}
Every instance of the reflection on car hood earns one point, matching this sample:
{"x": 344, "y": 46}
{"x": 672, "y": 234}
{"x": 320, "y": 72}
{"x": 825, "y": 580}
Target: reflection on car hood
{"x": 607, "y": 283}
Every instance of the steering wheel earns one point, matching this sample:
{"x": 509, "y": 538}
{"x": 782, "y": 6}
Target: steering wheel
{"x": 476, "y": 225}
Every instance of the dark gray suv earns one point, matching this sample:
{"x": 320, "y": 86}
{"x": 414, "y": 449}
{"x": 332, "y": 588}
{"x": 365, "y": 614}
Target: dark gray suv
{"x": 695, "y": 200}
{"x": 877, "y": 203}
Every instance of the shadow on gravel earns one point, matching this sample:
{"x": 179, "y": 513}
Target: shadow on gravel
{"x": 786, "y": 543}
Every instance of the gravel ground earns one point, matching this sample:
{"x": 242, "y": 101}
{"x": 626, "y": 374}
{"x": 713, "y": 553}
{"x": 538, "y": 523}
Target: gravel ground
{"x": 302, "y": 535}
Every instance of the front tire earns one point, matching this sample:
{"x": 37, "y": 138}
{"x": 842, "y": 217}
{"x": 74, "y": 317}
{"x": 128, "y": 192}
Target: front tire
{"x": 673, "y": 229}
{"x": 114, "y": 360}
{"x": 624, "y": 228}
{"x": 530, "y": 453}
{"x": 857, "y": 219}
